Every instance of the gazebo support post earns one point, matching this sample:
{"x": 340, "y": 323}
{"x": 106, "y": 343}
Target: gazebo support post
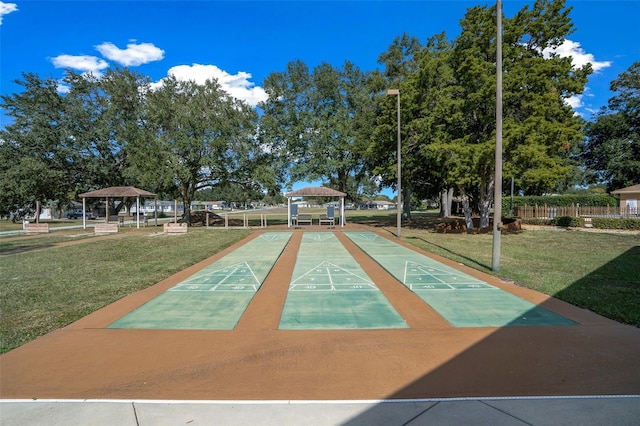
{"x": 84, "y": 214}
{"x": 175, "y": 211}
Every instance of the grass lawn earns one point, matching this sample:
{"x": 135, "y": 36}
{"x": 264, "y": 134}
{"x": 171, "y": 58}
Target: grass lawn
{"x": 42, "y": 290}
{"x": 45, "y": 285}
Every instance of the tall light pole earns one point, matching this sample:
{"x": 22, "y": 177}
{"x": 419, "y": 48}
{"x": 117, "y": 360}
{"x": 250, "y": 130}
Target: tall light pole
{"x": 497, "y": 198}
{"x": 396, "y": 92}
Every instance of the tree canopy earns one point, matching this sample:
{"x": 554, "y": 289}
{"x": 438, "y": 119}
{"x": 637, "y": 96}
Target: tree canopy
{"x": 115, "y": 130}
{"x": 612, "y": 149}
{"x": 317, "y": 121}
{"x": 333, "y": 124}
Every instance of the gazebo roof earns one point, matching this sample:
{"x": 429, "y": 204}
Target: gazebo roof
{"x": 118, "y": 191}
{"x": 315, "y": 191}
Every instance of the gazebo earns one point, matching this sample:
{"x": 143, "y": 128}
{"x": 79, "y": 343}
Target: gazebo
{"x": 115, "y": 192}
{"x": 315, "y": 191}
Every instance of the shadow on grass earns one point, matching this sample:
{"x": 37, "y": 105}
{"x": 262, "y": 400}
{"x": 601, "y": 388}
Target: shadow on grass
{"x": 613, "y": 289}
{"x": 9, "y": 249}
{"x": 472, "y": 262}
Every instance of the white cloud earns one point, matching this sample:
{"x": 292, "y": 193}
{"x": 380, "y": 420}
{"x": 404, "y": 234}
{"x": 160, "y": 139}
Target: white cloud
{"x": 82, "y": 63}
{"x": 6, "y": 8}
{"x": 578, "y": 55}
{"x": 237, "y": 85}
{"x": 63, "y": 88}
{"x": 133, "y": 55}
{"x": 574, "y": 101}
{"x": 579, "y": 58}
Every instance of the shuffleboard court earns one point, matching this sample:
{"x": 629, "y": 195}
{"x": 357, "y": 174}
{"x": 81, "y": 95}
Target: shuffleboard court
{"x": 329, "y": 290}
{"x": 462, "y": 300}
{"x": 215, "y": 297}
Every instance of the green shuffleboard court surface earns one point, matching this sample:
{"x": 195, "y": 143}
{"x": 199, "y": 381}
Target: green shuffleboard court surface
{"x": 460, "y": 299}
{"x": 215, "y": 297}
{"x": 329, "y": 290}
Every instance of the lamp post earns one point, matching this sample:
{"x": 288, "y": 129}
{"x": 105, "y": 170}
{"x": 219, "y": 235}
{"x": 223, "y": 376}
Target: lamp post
{"x": 396, "y": 92}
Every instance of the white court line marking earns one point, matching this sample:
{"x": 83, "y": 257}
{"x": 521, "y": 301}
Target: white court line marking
{"x": 318, "y": 236}
{"x": 364, "y": 236}
{"x": 275, "y": 236}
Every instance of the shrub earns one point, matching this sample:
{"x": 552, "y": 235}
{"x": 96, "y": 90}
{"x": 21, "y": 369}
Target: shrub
{"x": 534, "y": 221}
{"x": 568, "y": 221}
{"x": 613, "y": 223}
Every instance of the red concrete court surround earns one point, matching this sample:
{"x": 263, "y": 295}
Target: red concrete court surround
{"x": 256, "y": 361}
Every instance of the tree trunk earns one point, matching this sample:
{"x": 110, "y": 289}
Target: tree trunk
{"x": 486, "y": 197}
{"x": 446, "y": 197}
{"x": 188, "y": 193}
{"x": 466, "y": 208}
{"x": 186, "y": 216}
{"x": 37, "y": 211}
{"x": 406, "y": 203}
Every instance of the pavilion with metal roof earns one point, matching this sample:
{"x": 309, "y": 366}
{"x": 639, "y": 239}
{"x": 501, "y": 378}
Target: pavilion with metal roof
{"x": 315, "y": 191}
{"x": 116, "y": 192}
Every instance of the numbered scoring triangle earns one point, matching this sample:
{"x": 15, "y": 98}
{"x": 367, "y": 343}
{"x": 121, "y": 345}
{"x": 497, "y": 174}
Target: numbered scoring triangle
{"x": 430, "y": 277}
{"x": 237, "y": 274}
{"x": 329, "y": 274}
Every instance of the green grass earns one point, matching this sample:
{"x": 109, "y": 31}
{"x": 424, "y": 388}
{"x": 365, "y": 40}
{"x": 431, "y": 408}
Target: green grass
{"x": 43, "y": 290}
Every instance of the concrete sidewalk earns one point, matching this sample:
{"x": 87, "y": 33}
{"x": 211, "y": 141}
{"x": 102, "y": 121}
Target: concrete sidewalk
{"x": 617, "y": 410}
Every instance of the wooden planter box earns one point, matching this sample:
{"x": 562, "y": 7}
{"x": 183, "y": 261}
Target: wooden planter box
{"x": 30, "y": 228}
{"x": 105, "y": 228}
{"x": 175, "y": 228}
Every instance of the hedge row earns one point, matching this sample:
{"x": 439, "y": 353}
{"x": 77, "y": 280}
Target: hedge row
{"x": 578, "y": 222}
{"x": 606, "y": 223}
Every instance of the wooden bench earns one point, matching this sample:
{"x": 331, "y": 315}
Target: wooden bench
{"x": 324, "y": 219}
{"x": 105, "y": 228}
{"x": 31, "y": 228}
{"x": 304, "y": 219}
{"x": 175, "y": 228}
{"x": 132, "y": 220}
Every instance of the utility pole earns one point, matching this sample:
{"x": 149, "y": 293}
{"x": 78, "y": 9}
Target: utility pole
{"x": 497, "y": 199}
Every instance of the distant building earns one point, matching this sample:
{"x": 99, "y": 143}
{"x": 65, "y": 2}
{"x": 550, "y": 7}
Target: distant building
{"x": 378, "y": 205}
{"x": 629, "y": 197}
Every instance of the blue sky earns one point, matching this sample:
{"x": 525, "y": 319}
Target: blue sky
{"x": 242, "y": 42}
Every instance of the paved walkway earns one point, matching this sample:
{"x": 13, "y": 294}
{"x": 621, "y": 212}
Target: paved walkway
{"x": 583, "y": 411}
